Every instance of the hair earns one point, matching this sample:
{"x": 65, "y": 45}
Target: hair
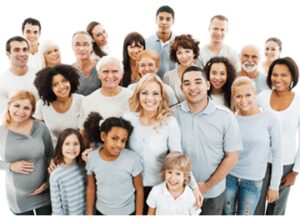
{"x": 166, "y": 9}
{"x": 111, "y": 122}
{"x": 243, "y": 80}
{"x": 82, "y": 33}
{"x": 219, "y": 17}
{"x": 293, "y": 68}
{"x": 133, "y": 37}
{"x": 180, "y": 161}
{"x": 58, "y": 155}
{"x": 43, "y": 81}
{"x": 18, "y": 95}
{"x": 15, "y": 38}
{"x": 193, "y": 69}
{"x": 45, "y": 45}
{"x": 92, "y": 128}
{"x": 231, "y": 75}
{"x": 151, "y": 54}
{"x": 97, "y": 50}
{"x": 33, "y": 22}
{"x": 163, "y": 111}
{"x": 108, "y": 59}
{"x": 276, "y": 40}
{"x": 186, "y": 42}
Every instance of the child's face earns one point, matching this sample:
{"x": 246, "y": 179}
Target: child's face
{"x": 114, "y": 141}
{"x": 174, "y": 179}
{"x": 70, "y": 148}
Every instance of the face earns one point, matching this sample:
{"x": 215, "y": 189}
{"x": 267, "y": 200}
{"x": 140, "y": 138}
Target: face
{"x": 100, "y": 35}
{"x": 71, "y": 148}
{"x": 281, "y": 78}
{"x": 218, "y": 76}
{"x": 19, "y": 53}
{"x": 185, "y": 56}
{"x": 150, "y": 97}
{"x": 164, "y": 22}
{"x": 174, "y": 179}
{"x": 218, "y": 30}
{"x": 61, "y": 87}
{"x": 114, "y": 141}
{"x": 82, "y": 46}
{"x": 31, "y": 33}
{"x": 110, "y": 75}
{"x": 147, "y": 65}
{"x": 244, "y": 98}
{"x": 20, "y": 110}
{"x": 272, "y": 50}
{"x": 250, "y": 59}
{"x": 134, "y": 49}
{"x": 195, "y": 87}
{"x": 52, "y": 56}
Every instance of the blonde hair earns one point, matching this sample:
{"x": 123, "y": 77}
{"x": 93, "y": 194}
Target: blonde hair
{"x": 243, "y": 80}
{"x": 163, "y": 110}
{"x": 148, "y": 53}
{"x": 18, "y": 95}
{"x": 180, "y": 161}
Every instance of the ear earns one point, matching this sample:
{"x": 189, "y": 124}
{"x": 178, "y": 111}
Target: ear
{"x": 103, "y": 136}
{"x": 208, "y": 85}
{"x": 8, "y": 54}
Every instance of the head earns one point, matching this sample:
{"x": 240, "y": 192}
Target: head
{"x": 49, "y": 53}
{"x": 176, "y": 169}
{"x": 31, "y": 29}
{"x": 221, "y": 74}
{"x": 69, "y": 147}
{"x": 283, "y": 74}
{"x": 273, "y": 47}
{"x": 59, "y": 81}
{"x": 82, "y": 45}
{"x": 250, "y": 59}
{"x": 184, "y": 50}
{"x": 147, "y": 61}
{"x": 218, "y": 28}
{"x": 17, "y": 50}
{"x": 165, "y": 16}
{"x": 110, "y": 72}
{"x": 99, "y": 36}
{"x": 20, "y": 107}
{"x": 92, "y": 128}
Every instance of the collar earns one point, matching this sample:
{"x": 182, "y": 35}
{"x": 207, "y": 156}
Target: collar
{"x": 210, "y": 107}
{"x": 157, "y": 39}
{"x": 167, "y": 193}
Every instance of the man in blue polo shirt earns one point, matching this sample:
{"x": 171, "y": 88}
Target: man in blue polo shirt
{"x": 210, "y": 136}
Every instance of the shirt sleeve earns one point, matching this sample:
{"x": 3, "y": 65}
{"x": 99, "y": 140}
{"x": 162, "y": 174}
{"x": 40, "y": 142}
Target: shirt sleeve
{"x": 296, "y": 167}
{"x": 152, "y": 198}
{"x": 232, "y": 135}
{"x": 88, "y": 166}
{"x": 48, "y": 144}
{"x": 137, "y": 167}
{"x": 56, "y": 199}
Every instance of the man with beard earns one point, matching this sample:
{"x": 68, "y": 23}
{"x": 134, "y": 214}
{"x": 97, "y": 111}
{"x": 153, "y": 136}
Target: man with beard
{"x": 250, "y": 60}
{"x": 161, "y": 40}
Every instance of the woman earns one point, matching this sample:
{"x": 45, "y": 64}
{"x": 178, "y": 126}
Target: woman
{"x": 285, "y": 103}
{"x": 221, "y": 74}
{"x": 133, "y": 44}
{"x": 184, "y": 51}
{"x": 59, "y": 106}
{"x": 261, "y": 135}
{"x": 26, "y": 149}
{"x": 99, "y": 36}
{"x": 273, "y": 47}
{"x": 49, "y": 54}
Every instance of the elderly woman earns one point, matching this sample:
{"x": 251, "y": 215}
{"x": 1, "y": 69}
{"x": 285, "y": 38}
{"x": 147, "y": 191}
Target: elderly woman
{"x": 49, "y": 54}
{"x": 25, "y": 149}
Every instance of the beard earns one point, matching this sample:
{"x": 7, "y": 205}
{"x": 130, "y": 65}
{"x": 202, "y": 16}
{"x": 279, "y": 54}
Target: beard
{"x": 249, "y": 67}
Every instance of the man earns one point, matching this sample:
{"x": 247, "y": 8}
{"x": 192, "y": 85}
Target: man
{"x": 161, "y": 41}
{"x": 19, "y": 75}
{"x": 250, "y": 61}
{"x": 210, "y": 137}
{"x": 218, "y": 29}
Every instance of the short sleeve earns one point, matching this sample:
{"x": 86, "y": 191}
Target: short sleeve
{"x": 232, "y": 135}
{"x": 137, "y": 167}
{"x": 153, "y": 197}
{"x": 89, "y": 164}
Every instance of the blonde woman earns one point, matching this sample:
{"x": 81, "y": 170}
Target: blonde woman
{"x": 49, "y": 54}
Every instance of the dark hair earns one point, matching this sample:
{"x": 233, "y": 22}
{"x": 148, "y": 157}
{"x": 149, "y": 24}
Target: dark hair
{"x": 276, "y": 40}
{"x": 231, "y": 75}
{"x": 43, "y": 81}
{"x": 219, "y": 17}
{"x": 33, "y": 22}
{"x": 293, "y": 68}
{"x": 15, "y": 38}
{"x": 192, "y": 69}
{"x": 97, "y": 50}
{"x": 186, "y": 42}
{"x": 133, "y": 37}
{"x": 166, "y": 9}
{"x": 92, "y": 128}
{"x": 58, "y": 155}
{"x": 111, "y": 122}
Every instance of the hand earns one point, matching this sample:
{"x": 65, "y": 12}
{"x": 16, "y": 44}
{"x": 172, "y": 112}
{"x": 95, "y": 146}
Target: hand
{"x": 39, "y": 190}
{"x": 272, "y": 195}
{"x": 203, "y": 187}
{"x": 22, "y": 167}
{"x": 52, "y": 166}
{"x": 85, "y": 153}
{"x": 289, "y": 179}
{"x": 199, "y": 198}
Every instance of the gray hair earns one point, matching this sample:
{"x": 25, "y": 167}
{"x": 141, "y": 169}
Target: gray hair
{"x": 109, "y": 59}
{"x": 82, "y": 33}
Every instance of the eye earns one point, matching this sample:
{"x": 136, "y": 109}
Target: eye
{"x": 144, "y": 93}
{"x": 178, "y": 173}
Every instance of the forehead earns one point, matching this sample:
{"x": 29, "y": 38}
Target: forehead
{"x": 82, "y": 38}
{"x": 110, "y": 66}
{"x": 218, "y": 23}
{"x": 25, "y": 102}
{"x": 243, "y": 88}
{"x": 152, "y": 85}
{"x": 118, "y": 131}
{"x": 164, "y": 15}
{"x": 29, "y": 26}
{"x": 250, "y": 51}
{"x": 220, "y": 66}
{"x": 147, "y": 59}
{"x": 18, "y": 44}
{"x": 192, "y": 75}
{"x": 281, "y": 68}
{"x": 272, "y": 44}
{"x": 98, "y": 28}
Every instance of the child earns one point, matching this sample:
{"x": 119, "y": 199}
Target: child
{"x": 173, "y": 196}
{"x": 114, "y": 179}
{"x": 68, "y": 180}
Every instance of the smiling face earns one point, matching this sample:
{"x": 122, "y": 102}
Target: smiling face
{"x": 150, "y": 97}
{"x": 61, "y": 87}
{"x": 147, "y": 65}
{"x": 19, "y": 54}
{"x": 71, "y": 149}
{"x": 218, "y": 30}
{"x": 110, "y": 76}
{"x": 250, "y": 59}
{"x": 281, "y": 78}
{"x": 20, "y": 110}
{"x": 164, "y": 22}
{"x": 272, "y": 51}
{"x": 100, "y": 35}
{"x": 52, "y": 56}
{"x": 31, "y": 33}
{"x": 185, "y": 56}
{"x": 82, "y": 46}
{"x": 217, "y": 76}
{"x": 175, "y": 180}
{"x": 134, "y": 49}
{"x": 244, "y": 99}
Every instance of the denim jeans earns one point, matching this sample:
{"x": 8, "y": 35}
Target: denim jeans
{"x": 241, "y": 195}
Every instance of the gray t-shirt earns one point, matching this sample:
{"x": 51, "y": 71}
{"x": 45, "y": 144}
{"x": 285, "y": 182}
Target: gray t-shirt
{"x": 88, "y": 85}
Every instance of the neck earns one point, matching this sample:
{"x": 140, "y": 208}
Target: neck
{"x": 19, "y": 125}
{"x": 251, "y": 75}
{"x": 282, "y": 93}
{"x": 33, "y": 48}
{"x": 63, "y": 100}
{"x": 164, "y": 36}
{"x": 106, "y": 156}
{"x": 215, "y": 46}
{"x": 83, "y": 63}
{"x": 176, "y": 192}
{"x": 69, "y": 161}
{"x": 199, "y": 106}
{"x": 111, "y": 92}
{"x": 215, "y": 91}
{"x": 19, "y": 70}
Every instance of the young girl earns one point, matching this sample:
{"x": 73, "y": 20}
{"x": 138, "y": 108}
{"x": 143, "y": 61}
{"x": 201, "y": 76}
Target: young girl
{"x": 173, "y": 196}
{"x": 68, "y": 180}
{"x": 114, "y": 179}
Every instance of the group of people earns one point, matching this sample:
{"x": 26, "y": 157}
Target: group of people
{"x": 172, "y": 129}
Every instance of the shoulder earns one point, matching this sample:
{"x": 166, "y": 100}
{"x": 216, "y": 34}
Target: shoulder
{"x": 126, "y": 91}
{"x": 130, "y": 116}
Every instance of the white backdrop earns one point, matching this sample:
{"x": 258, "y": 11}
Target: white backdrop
{"x": 249, "y": 22}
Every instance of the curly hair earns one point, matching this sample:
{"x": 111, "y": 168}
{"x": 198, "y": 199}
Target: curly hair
{"x": 43, "y": 81}
{"x": 92, "y": 127}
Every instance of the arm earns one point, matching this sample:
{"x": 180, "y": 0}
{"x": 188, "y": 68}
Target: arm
{"x": 56, "y": 199}
{"x": 90, "y": 194}
{"x": 151, "y": 211}
{"x": 139, "y": 194}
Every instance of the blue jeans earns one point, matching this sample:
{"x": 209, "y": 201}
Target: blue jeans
{"x": 241, "y": 195}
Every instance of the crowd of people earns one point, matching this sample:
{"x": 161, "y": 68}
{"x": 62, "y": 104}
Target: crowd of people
{"x": 171, "y": 129}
